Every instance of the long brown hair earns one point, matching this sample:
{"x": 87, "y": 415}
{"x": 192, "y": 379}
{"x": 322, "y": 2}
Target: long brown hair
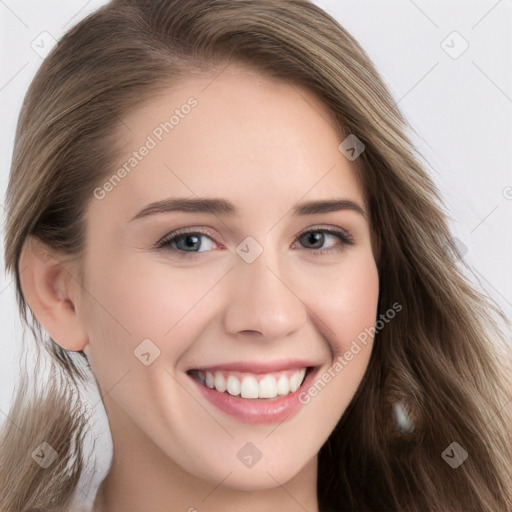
{"x": 444, "y": 355}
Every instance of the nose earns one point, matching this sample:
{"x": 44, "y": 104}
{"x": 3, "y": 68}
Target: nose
{"x": 261, "y": 301}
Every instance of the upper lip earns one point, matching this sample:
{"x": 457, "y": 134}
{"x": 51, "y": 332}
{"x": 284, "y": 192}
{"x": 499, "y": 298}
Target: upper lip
{"x": 258, "y": 366}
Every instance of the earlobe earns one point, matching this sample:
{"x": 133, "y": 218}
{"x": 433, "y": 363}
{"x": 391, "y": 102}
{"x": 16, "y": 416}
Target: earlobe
{"x": 49, "y": 288}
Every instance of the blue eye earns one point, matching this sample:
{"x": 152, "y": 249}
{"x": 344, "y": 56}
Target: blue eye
{"x": 316, "y": 236}
{"x": 190, "y": 241}
{"x": 186, "y": 242}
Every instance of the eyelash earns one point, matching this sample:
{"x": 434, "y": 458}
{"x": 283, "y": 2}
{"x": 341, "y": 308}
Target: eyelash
{"x": 165, "y": 242}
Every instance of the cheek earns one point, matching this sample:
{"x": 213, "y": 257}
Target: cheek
{"x": 346, "y": 315}
{"x": 345, "y": 300}
{"x": 136, "y": 300}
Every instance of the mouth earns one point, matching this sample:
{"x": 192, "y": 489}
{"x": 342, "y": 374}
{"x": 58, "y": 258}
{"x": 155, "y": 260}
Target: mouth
{"x": 258, "y": 397}
{"x": 252, "y": 386}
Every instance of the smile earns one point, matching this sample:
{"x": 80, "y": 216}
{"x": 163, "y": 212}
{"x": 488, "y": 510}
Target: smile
{"x": 249, "y": 385}
{"x": 255, "y": 397}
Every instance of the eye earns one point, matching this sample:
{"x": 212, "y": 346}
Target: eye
{"x": 186, "y": 243}
{"x": 318, "y": 237}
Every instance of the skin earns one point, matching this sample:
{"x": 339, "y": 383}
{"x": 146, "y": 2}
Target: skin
{"x": 264, "y": 146}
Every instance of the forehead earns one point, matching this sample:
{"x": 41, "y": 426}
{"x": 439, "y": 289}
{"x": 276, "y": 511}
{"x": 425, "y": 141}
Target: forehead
{"x": 235, "y": 134}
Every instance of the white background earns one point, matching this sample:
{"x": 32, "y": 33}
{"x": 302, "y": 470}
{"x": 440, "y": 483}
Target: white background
{"x": 460, "y": 108}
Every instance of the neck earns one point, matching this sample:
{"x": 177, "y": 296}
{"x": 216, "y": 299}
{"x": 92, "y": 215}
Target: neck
{"x": 142, "y": 477}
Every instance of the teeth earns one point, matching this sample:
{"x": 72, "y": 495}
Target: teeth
{"x": 295, "y": 382}
{"x": 283, "y": 385}
{"x": 249, "y": 387}
{"x": 268, "y": 387}
{"x": 253, "y": 386}
{"x": 220, "y": 382}
{"x": 233, "y": 386}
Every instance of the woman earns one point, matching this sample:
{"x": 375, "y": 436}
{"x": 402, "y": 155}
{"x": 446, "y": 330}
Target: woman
{"x": 361, "y": 372}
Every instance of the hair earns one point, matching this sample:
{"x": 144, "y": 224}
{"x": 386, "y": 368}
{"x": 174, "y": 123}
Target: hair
{"x": 445, "y": 355}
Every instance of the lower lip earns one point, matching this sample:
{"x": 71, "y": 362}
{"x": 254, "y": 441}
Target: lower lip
{"x": 257, "y": 411}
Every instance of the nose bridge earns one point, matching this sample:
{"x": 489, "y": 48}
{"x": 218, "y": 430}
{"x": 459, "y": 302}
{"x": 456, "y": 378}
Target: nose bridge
{"x": 261, "y": 299}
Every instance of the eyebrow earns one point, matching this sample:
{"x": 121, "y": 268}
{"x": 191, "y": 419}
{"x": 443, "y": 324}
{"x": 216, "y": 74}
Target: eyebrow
{"x": 223, "y": 207}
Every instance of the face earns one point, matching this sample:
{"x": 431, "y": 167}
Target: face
{"x": 257, "y": 290}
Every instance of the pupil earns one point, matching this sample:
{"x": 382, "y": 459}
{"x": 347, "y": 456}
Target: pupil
{"x": 315, "y": 237}
{"x": 190, "y": 240}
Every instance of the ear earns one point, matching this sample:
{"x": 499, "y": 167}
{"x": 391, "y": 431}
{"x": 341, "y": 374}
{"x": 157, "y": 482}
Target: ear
{"x": 50, "y": 291}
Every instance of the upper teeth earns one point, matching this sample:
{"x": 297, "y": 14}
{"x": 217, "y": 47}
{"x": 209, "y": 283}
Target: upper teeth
{"x": 249, "y": 385}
